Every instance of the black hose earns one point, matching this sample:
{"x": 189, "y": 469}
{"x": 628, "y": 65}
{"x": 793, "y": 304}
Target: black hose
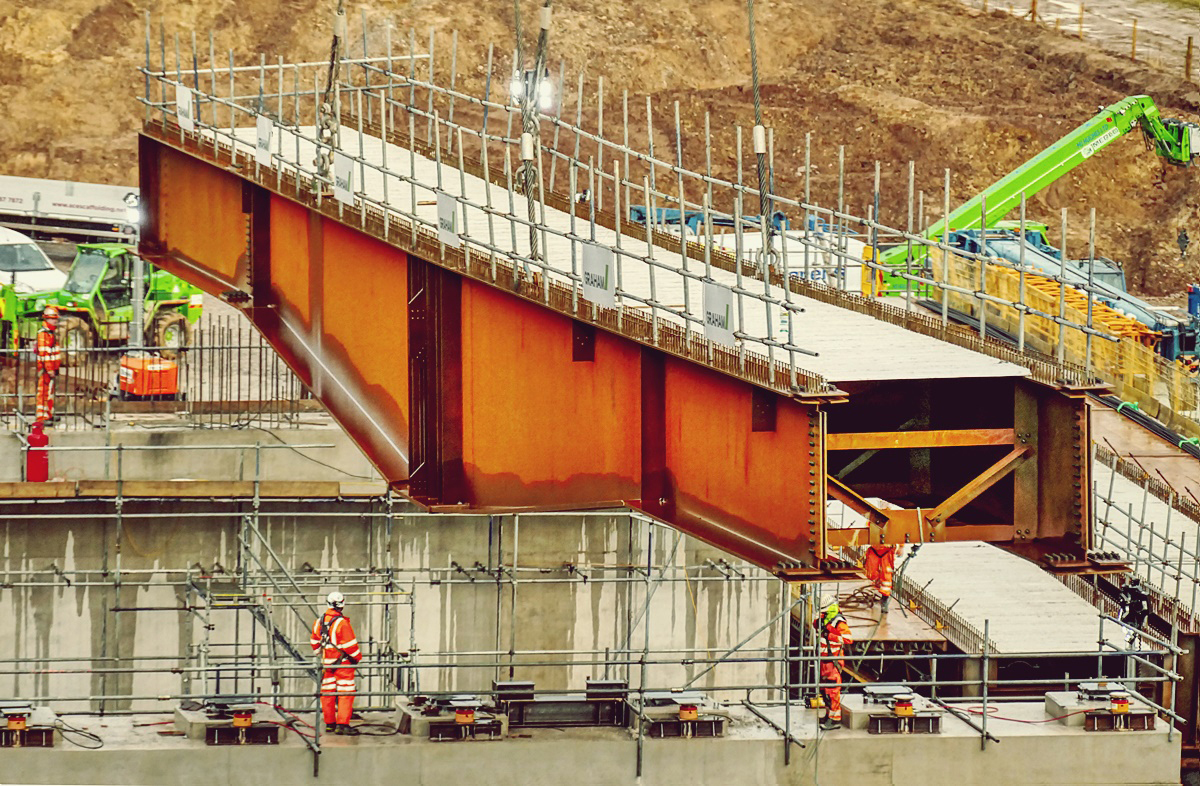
{"x": 1148, "y": 423}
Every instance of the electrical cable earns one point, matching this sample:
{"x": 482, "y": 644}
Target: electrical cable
{"x": 291, "y": 724}
{"x": 247, "y": 424}
{"x": 310, "y": 458}
{"x": 66, "y": 729}
{"x": 1149, "y": 423}
{"x": 295, "y": 718}
{"x": 393, "y": 730}
{"x": 991, "y": 713}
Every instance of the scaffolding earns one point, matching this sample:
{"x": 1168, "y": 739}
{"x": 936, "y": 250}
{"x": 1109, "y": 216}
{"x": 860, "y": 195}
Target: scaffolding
{"x": 248, "y": 606}
{"x": 434, "y": 622}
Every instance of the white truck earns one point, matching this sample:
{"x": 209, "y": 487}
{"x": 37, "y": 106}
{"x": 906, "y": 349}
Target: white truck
{"x": 81, "y": 212}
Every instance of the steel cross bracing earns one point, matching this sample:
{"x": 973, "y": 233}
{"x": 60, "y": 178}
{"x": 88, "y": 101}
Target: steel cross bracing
{"x": 478, "y": 377}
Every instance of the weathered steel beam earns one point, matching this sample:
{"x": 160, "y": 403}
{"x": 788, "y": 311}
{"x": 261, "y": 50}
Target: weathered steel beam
{"x": 851, "y": 499}
{"x": 981, "y": 483}
{"x": 944, "y": 438}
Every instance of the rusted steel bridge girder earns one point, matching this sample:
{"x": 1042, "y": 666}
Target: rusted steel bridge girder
{"x": 474, "y": 392}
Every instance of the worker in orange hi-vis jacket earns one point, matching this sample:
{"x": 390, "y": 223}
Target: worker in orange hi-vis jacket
{"x": 835, "y": 637}
{"x": 879, "y": 565}
{"x": 333, "y": 635}
{"x": 49, "y": 359}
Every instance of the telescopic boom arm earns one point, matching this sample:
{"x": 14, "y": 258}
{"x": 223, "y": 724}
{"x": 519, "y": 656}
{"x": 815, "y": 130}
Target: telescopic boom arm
{"x": 1174, "y": 140}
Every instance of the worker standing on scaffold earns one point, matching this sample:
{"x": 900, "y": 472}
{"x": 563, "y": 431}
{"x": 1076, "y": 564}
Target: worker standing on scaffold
{"x": 835, "y": 636}
{"x": 49, "y": 359}
{"x": 333, "y": 635}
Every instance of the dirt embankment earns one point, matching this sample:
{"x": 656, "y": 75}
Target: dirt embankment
{"x": 893, "y": 80}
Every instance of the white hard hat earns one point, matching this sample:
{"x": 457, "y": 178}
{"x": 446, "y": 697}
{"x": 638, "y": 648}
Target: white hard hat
{"x": 336, "y": 599}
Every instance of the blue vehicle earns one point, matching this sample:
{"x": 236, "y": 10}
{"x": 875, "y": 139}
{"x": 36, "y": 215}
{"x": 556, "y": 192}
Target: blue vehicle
{"x": 1103, "y": 269}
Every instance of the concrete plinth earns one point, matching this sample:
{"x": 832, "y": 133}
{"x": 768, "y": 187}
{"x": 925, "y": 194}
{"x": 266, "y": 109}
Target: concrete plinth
{"x": 752, "y": 753}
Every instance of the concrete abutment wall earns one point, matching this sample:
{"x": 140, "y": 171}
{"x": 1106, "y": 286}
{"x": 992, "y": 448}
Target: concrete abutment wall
{"x": 111, "y": 591}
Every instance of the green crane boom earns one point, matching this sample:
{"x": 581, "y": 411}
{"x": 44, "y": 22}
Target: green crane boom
{"x": 1174, "y": 140}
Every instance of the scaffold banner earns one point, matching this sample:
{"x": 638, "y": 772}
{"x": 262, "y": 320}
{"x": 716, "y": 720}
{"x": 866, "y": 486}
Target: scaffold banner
{"x": 599, "y": 275}
{"x": 718, "y": 313}
{"x": 448, "y": 220}
{"x": 343, "y": 178}
{"x": 183, "y": 108}
{"x": 262, "y": 150}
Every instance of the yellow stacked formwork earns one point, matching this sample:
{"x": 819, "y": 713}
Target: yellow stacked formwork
{"x": 1130, "y": 364}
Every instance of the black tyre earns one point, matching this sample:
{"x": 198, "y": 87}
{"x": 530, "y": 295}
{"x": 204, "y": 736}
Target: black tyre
{"x": 75, "y": 338}
{"x": 171, "y": 332}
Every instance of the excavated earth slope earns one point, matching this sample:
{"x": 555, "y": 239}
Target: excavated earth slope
{"x": 893, "y": 80}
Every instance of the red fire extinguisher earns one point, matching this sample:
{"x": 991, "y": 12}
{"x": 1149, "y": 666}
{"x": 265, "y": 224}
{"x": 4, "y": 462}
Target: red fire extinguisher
{"x": 37, "y": 458}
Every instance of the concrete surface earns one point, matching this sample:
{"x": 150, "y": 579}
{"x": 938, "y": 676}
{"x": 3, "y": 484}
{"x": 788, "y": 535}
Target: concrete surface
{"x": 1028, "y": 610}
{"x": 87, "y": 614}
{"x": 752, "y": 753}
{"x": 76, "y": 455}
{"x": 1154, "y": 454}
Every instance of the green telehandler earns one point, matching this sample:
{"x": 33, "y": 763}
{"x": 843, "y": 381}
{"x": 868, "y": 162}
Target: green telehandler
{"x": 1176, "y": 141}
{"x": 96, "y": 304}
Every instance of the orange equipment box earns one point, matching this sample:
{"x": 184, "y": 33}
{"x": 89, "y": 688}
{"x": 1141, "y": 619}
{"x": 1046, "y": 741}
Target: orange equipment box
{"x": 148, "y": 376}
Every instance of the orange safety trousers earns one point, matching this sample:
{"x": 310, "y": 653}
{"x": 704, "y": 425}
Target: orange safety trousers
{"x": 880, "y": 568}
{"x": 830, "y": 672}
{"x": 337, "y": 694}
{"x": 45, "y": 396}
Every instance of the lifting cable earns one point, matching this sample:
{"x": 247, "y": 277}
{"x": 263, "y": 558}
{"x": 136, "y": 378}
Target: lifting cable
{"x": 329, "y": 110}
{"x": 760, "y": 149}
{"x": 528, "y": 169}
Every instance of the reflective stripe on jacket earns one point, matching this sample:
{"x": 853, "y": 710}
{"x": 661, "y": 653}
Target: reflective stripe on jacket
{"x": 343, "y": 649}
{"x": 49, "y": 356}
{"x": 835, "y": 637}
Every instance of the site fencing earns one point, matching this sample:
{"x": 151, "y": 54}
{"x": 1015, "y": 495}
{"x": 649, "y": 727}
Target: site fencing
{"x": 1116, "y": 28}
{"x": 1127, "y": 361}
{"x": 227, "y": 376}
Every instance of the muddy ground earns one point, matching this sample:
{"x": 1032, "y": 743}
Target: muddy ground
{"x": 932, "y": 81}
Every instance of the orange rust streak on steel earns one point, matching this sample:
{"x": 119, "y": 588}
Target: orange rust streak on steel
{"x": 289, "y": 256}
{"x": 200, "y": 214}
{"x": 848, "y": 536}
{"x": 538, "y": 427}
{"x": 947, "y": 438}
{"x": 750, "y": 492}
{"x": 364, "y": 315}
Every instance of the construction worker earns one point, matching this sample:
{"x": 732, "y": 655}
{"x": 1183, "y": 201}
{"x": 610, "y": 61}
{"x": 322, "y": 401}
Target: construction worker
{"x": 879, "y": 565}
{"x": 333, "y": 634}
{"x": 1135, "y": 607}
{"x": 835, "y": 636}
{"x": 49, "y": 359}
